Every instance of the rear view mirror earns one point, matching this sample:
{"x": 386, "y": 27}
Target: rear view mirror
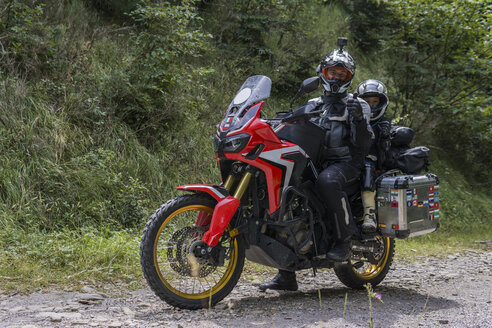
{"x": 307, "y": 86}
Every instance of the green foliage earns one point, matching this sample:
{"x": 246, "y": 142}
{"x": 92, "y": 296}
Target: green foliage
{"x": 66, "y": 257}
{"x": 153, "y": 91}
{"x": 465, "y": 207}
{"x": 368, "y": 20}
{"x": 42, "y": 189}
{"x": 439, "y": 61}
{"x": 285, "y": 40}
{"x": 25, "y": 42}
{"x": 110, "y": 197}
{"x": 115, "y": 8}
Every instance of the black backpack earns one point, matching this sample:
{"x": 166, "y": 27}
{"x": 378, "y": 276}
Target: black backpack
{"x": 401, "y": 156}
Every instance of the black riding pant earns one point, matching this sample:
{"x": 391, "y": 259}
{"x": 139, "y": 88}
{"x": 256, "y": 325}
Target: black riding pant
{"x": 331, "y": 185}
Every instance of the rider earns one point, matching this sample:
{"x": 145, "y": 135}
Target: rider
{"x": 345, "y": 145}
{"x": 374, "y": 92}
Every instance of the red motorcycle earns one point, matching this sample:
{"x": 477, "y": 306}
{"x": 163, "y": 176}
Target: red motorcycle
{"x": 266, "y": 210}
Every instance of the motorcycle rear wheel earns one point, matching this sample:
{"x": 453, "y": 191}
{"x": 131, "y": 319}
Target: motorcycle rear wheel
{"x": 356, "y": 278}
{"x": 165, "y": 247}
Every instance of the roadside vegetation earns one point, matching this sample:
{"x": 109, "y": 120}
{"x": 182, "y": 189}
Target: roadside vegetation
{"x": 106, "y": 105}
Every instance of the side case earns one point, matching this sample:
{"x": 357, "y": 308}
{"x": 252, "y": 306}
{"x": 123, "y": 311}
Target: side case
{"x": 408, "y": 205}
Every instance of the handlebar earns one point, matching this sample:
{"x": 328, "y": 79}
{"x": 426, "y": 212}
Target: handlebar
{"x": 294, "y": 117}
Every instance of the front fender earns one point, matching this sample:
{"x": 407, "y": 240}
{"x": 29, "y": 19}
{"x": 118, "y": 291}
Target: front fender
{"x": 223, "y": 212}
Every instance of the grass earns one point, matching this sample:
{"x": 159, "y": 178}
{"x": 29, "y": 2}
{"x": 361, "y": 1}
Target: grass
{"x": 31, "y": 261}
{"x": 68, "y": 259}
{"x": 441, "y": 244}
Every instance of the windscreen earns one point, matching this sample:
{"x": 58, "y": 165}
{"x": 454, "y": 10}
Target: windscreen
{"x": 241, "y": 111}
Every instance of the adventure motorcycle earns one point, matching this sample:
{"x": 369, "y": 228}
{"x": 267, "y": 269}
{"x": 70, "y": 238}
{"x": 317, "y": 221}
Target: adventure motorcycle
{"x": 193, "y": 247}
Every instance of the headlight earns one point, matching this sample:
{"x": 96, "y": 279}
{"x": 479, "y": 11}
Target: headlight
{"x": 236, "y": 143}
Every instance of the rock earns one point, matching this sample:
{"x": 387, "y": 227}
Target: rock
{"x": 39, "y": 308}
{"x": 143, "y": 305}
{"x": 90, "y": 299}
{"x": 443, "y": 322}
{"x": 57, "y": 317}
{"x": 127, "y": 311}
{"x": 17, "y": 309}
{"x": 80, "y": 322}
{"x": 102, "y": 318}
{"x": 88, "y": 290}
{"x": 115, "y": 324}
{"x": 221, "y": 307}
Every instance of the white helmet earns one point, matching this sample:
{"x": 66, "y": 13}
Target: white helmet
{"x": 374, "y": 88}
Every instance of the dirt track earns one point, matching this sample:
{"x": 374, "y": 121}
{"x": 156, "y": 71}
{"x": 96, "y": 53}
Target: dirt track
{"x": 454, "y": 291}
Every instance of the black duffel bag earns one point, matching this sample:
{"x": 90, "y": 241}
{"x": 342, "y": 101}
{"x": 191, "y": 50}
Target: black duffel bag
{"x": 408, "y": 160}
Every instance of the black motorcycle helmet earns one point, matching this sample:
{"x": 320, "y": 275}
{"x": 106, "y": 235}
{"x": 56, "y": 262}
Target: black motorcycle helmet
{"x": 374, "y": 88}
{"x": 338, "y": 60}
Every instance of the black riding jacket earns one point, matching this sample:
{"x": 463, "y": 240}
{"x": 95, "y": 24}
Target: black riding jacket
{"x": 346, "y": 139}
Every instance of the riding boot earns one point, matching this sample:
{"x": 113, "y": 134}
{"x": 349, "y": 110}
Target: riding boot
{"x": 284, "y": 280}
{"x": 369, "y": 224}
{"x": 340, "y": 252}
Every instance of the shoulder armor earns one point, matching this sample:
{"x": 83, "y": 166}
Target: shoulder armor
{"x": 317, "y": 100}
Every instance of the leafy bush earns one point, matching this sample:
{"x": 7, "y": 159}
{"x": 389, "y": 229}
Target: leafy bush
{"x": 25, "y": 42}
{"x": 115, "y": 8}
{"x": 285, "y": 40}
{"x": 107, "y": 194}
{"x": 154, "y": 90}
{"x": 439, "y": 61}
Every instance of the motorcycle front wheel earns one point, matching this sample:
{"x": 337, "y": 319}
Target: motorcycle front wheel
{"x": 355, "y": 276}
{"x": 166, "y": 246}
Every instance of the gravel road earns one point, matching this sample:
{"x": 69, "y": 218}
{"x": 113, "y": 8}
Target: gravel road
{"x": 453, "y": 291}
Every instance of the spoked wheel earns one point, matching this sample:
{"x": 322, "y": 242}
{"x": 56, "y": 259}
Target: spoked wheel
{"x": 168, "y": 260}
{"x": 372, "y": 269}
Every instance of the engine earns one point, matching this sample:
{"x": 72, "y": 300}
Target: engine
{"x": 294, "y": 228}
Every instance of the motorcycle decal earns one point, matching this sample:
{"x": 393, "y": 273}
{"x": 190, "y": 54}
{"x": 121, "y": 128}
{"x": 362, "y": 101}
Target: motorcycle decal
{"x": 211, "y": 190}
{"x": 347, "y": 216}
{"x": 277, "y": 156}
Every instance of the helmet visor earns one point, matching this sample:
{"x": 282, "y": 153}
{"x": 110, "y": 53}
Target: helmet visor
{"x": 336, "y": 73}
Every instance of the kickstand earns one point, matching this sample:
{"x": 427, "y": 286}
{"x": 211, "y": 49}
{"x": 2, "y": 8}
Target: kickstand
{"x": 314, "y": 271}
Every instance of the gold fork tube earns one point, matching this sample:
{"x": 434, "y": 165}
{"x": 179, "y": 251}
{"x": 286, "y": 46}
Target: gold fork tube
{"x": 229, "y": 182}
{"x": 243, "y": 185}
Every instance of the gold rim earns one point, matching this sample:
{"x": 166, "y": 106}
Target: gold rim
{"x": 187, "y": 281}
{"x": 373, "y": 270}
